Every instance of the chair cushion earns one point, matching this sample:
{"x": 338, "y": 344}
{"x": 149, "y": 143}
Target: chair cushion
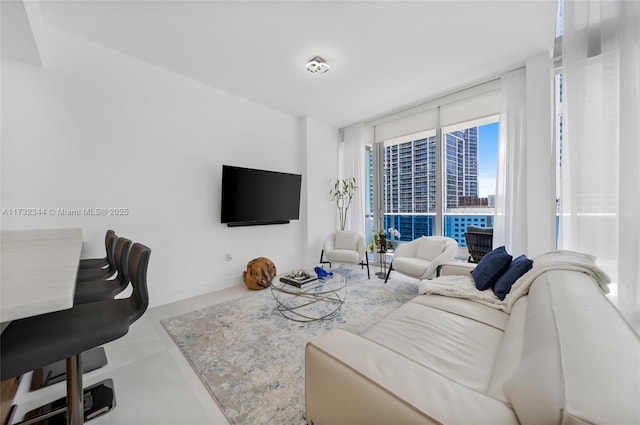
{"x": 430, "y": 248}
{"x": 518, "y": 267}
{"x": 343, "y": 256}
{"x": 491, "y": 267}
{"x": 346, "y": 240}
{"x": 414, "y": 267}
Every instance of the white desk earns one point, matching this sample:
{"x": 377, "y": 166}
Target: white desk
{"x": 38, "y": 271}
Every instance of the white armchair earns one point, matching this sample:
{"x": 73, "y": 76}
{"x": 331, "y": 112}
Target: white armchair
{"x": 421, "y": 257}
{"x": 345, "y": 247}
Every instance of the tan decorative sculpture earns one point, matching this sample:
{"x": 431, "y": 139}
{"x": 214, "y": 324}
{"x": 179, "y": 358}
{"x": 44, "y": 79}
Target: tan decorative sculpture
{"x": 259, "y": 274}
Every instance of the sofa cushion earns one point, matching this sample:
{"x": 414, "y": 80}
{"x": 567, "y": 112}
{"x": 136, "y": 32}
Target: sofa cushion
{"x": 350, "y": 379}
{"x": 461, "y": 348}
{"x": 429, "y": 247}
{"x": 346, "y": 240}
{"x": 491, "y": 267}
{"x": 466, "y": 308}
{"x": 518, "y": 267}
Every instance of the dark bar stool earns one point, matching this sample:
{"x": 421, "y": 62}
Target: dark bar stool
{"x": 102, "y": 269}
{"x": 31, "y": 342}
{"x": 100, "y": 263}
{"x": 89, "y": 292}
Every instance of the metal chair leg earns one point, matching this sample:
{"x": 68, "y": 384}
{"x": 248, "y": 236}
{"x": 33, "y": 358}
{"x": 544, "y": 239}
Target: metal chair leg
{"x": 366, "y": 256}
{"x": 389, "y": 272}
{"x": 322, "y": 261}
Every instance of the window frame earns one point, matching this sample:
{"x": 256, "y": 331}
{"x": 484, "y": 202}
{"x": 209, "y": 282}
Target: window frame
{"x": 440, "y": 212}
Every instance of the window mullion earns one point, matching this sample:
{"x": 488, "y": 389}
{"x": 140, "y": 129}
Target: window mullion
{"x": 440, "y": 180}
{"x": 378, "y": 185}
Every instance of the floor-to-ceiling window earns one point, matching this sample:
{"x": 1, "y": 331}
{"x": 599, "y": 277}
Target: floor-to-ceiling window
{"x": 558, "y": 135}
{"x": 470, "y": 155}
{"x": 432, "y": 167}
{"x": 410, "y": 179}
{"x": 368, "y": 197}
{"x": 409, "y": 185}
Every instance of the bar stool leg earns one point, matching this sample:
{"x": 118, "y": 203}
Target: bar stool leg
{"x": 57, "y": 372}
{"x": 75, "y": 397}
{"x": 74, "y": 410}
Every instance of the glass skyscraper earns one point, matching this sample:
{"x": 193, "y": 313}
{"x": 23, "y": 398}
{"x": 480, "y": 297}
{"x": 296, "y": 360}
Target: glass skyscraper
{"x": 410, "y": 185}
{"x": 461, "y": 167}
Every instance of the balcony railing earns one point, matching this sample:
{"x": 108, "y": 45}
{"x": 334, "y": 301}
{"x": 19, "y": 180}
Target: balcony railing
{"x": 415, "y": 225}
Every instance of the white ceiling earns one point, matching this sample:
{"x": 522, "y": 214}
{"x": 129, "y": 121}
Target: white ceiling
{"x": 17, "y": 40}
{"x": 384, "y": 55}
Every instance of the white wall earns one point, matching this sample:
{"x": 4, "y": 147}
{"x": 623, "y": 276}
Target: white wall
{"x": 98, "y": 129}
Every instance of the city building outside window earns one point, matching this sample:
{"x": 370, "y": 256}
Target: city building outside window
{"x": 410, "y": 180}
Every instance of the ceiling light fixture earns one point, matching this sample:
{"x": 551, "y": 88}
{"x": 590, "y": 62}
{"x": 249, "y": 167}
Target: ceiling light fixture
{"x": 317, "y": 65}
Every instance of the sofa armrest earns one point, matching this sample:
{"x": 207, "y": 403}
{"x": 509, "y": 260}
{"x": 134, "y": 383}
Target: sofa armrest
{"x": 361, "y": 247}
{"x": 443, "y": 258}
{"x": 352, "y": 380}
{"x": 447, "y": 254}
{"x": 458, "y": 268}
{"x": 329, "y": 243}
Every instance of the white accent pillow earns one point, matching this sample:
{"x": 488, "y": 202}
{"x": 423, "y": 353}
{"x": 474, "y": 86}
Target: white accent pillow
{"x": 346, "y": 240}
{"x": 430, "y": 248}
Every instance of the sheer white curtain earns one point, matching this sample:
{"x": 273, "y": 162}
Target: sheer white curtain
{"x": 600, "y": 196}
{"x": 510, "y": 226}
{"x": 353, "y": 160}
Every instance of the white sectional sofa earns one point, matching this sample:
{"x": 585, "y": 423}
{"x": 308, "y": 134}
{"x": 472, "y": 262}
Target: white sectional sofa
{"x": 563, "y": 355}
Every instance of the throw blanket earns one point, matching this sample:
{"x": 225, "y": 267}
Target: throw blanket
{"x": 464, "y": 286}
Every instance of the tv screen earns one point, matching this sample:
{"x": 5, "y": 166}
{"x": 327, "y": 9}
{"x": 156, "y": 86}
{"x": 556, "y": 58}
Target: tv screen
{"x": 251, "y": 197}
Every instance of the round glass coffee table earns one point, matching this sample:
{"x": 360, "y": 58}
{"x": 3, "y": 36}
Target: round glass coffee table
{"x": 318, "y": 300}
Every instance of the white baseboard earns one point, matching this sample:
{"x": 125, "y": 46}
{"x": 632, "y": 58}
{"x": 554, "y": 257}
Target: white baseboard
{"x": 183, "y": 293}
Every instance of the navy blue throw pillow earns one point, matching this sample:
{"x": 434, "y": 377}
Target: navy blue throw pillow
{"x": 491, "y": 267}
{"x": 518, "y": 267}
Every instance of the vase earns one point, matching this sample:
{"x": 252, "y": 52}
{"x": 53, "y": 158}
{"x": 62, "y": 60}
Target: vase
{"x": 383, "y": 243}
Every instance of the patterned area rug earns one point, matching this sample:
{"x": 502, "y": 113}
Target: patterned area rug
{"x": 251, "y": 358}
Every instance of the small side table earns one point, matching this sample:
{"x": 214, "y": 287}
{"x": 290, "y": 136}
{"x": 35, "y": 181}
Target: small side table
{"x": 456, "y": 267}
{"x": 382, "y": 263}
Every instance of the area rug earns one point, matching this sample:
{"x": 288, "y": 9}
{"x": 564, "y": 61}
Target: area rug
{"x": 251, "y": 358}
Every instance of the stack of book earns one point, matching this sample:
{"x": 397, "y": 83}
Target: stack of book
{"x": 298, "y": 280}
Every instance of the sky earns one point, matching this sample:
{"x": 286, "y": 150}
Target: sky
{"x": 487, "y": 159}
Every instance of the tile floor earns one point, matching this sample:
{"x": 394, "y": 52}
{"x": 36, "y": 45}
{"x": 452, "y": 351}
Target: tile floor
{"x": 154, "y": 383}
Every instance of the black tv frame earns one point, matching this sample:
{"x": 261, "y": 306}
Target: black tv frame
{"x": 258, "y": 222}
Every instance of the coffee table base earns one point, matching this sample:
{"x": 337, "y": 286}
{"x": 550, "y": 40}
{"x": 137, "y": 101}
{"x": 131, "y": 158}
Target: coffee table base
{"x": 321, "y": 301}
{"x": 302, "y": 313}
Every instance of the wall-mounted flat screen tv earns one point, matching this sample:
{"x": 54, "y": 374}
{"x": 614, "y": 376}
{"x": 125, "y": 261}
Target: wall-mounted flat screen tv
{"x": 254, "y": 197}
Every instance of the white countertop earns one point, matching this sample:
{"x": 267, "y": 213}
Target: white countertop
{"x": 38, "y": 271}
